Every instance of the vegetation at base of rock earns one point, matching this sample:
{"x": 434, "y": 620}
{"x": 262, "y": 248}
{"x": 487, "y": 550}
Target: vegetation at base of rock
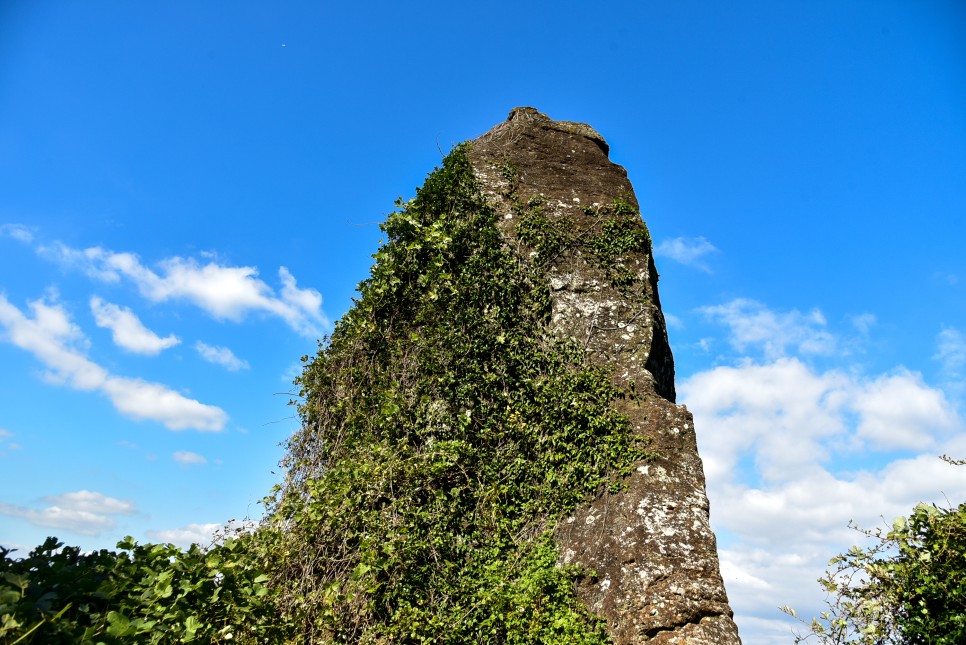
{"x": 444, "y": 432}
{"x": 153, "y": 593}
{"x": 909, "y": 586}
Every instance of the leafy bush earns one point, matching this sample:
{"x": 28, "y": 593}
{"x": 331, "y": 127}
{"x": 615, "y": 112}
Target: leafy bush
{"x": 908, "y": 587}
{"x": 154, "y": 593}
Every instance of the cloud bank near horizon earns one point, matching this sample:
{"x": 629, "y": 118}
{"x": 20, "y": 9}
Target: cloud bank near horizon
{"x": 794, "y": 453}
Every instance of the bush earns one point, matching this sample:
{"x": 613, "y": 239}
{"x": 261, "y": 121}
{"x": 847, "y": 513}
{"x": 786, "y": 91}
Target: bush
{"x": 908, "y": 587}
{"x": 152, "y": 593}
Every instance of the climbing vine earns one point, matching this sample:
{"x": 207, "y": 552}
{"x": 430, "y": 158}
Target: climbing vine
{"x": 444, "y": 431}
{"x": 614, "y": 232}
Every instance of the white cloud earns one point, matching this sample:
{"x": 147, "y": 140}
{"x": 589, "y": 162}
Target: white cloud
{"x": 84, "y": 512}
{"x": 127, "y": 330}
{"x": 92, "y": 502}
{"x": 789, "y": 457}
{"x": 188, "y": 458}
{"x": 757, "y": 407}
{"x": 950, "y": 279}
{"x": 791, "y": 419}
{"x": 673, "y": 321}
{"x": 225, "y": 292}
{"x": 143, "y": 400}
{"x": 57, "y": 343}
{"x": 863, "y": 322}
{"x": 900, "y": 412}
{"x": 184, "y": 537}
{"x": 5, "y": 436}
{"x": 951, "y": 351}
{"x": 784, "y": 536}
{"x": 768, "y": 632}
{"x": 221, "y": 356}
{"x": 18, "y": 232}
{"x": 689, "y": 251}
{"x": 793, "y": 453}
{"x": 753, "y": 325}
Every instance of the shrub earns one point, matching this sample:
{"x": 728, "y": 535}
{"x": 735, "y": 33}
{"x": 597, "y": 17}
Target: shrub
{"x": 908, "y": 587}
{"x": 152, "y": 593}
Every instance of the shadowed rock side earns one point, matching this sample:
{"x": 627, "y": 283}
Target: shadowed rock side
{"x": 651, "y": 544}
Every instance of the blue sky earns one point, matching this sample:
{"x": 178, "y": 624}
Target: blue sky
{"x": 189, "y": 192}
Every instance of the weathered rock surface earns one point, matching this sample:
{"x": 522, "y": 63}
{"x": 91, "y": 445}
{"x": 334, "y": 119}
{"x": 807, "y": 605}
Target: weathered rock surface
{"x": 651, "y": 544}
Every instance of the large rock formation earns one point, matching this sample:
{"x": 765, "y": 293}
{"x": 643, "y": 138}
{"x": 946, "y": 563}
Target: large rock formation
{"x": 490, "y": 451}
{"x": 651, "y": 545}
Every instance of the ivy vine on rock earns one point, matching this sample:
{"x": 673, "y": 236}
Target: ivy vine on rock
{"x": 444, "y": 432}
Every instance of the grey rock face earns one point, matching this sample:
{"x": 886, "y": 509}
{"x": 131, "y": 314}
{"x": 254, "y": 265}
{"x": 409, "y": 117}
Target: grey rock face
{"x": 651, "y": 544}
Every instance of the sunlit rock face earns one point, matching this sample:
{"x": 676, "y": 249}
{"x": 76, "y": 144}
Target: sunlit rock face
{"x": 650, "y": 545}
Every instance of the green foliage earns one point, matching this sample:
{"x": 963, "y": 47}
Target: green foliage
{"x": 154, "y": 593}
{"x": 613, "y": 232}
{"x": 930, "y": 575}
{"x": 621, "y": 233}
{"x": 444, "y": 431}
{"x": 547, "y": 237}
{"x": 908, "y": 587}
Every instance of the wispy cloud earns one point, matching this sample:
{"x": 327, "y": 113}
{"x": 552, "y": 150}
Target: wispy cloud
{"x": 863, "y": 322}
{"x": 755, "y": 326}
{"x": 188, "y": 458}
{"x": 951, "y": 351}
{"x": 690, "y": 251}
{"x": 152, "y": 401}
{"x": 128, "y": 331}
{"x": 951, "y": 354}
{"x": 950, "y": 279}
{"x": 6, "y": 443}
{"x": 293, "y": 371}
{"x": 225, "y": 292}
{"x": 673, "y": 321}
{"x": 185, "y": 536}
{"x": 18, "y": 232}
{"x": 57, "y": 342}
{"x": 84, "y": 512}
{"x": 221, "y": 356}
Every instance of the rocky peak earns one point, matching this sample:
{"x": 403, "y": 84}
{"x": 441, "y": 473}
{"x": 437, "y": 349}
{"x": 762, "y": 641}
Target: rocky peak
{"x": 562, "y": 169}
{"x": 564, "y": 206}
